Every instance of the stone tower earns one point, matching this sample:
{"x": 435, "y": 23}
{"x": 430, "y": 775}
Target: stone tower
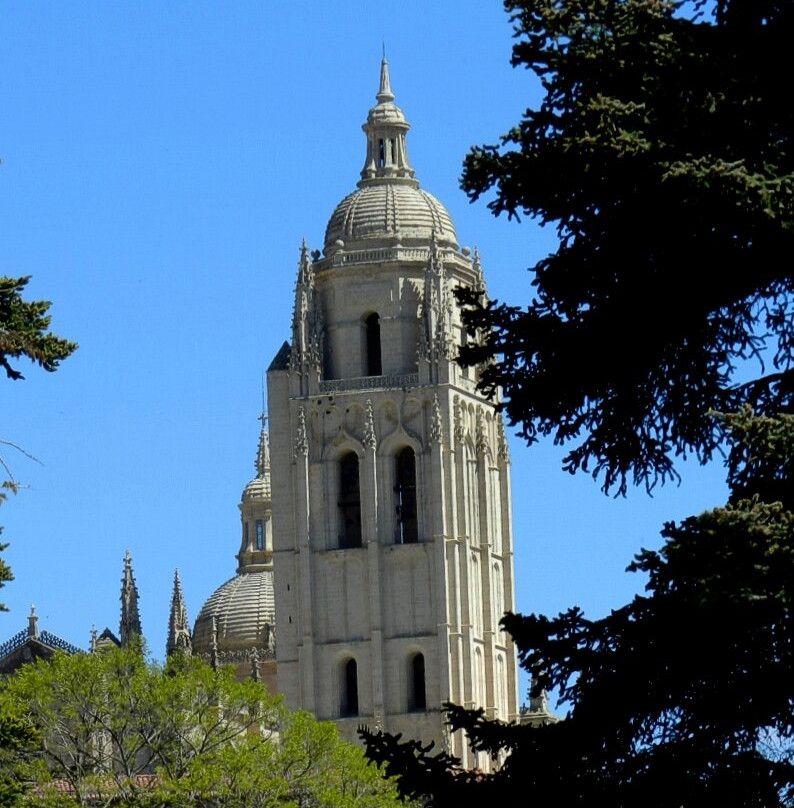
{"x": 393, "y": 551}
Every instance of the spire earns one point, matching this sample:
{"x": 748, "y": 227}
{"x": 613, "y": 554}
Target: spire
{"x": 130, "y": 617}
{"x": 306, "y": 351}
{"x": 263, "y": 451}
{"x": 386, "y": 127}
{"x": 384, "y": 91}
{"x": 178, "y": 625}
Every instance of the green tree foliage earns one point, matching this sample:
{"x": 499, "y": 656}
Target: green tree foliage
{"x": 116, "y": 728}
{"x": 662, "y": 153}
{"x": 23, "y": 333}
{"x": 24, "y": 330}
{"x": 684, "y": 696}
{"x": 18, "y": 741}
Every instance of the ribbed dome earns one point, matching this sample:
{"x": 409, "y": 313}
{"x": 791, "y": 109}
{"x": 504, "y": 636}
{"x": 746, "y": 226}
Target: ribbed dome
{"x": 389, "y": 210}
{"x": 258, "y": 488}
{"x": 241, "y": 607}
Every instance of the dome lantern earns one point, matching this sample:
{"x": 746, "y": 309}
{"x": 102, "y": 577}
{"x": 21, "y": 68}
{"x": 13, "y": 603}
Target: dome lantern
{"x": 386, "y": 127}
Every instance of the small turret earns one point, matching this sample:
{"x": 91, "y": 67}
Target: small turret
{"x": 256, "y": 546}
{"x": 33, "y": 623}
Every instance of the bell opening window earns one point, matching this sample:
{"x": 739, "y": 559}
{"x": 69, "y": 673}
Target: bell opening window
{"x": 381, "y": 153}
{"x": 417, "y": 698}
{"x": 349, "y": 705}
{"x": 349, "y": 502}
{"x": 373, "y": 364}
{"x": 260, "y": 534}
{"x": 405, "y": 490}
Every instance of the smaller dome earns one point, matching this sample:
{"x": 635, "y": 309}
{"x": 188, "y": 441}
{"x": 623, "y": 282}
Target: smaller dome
{"x": 389, "y": 210}
{"x": 258, "y": 488}
{"x": 244, "y": 611}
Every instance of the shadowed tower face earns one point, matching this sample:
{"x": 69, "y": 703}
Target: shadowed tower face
{"x": 393, "y": 553}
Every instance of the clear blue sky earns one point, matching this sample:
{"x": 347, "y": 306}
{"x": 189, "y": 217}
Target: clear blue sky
{"x": 161, "y": 163}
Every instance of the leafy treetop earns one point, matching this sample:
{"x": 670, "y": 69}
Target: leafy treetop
{"x": 114, "y": 728}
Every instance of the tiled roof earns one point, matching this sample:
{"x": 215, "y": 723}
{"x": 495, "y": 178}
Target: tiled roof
{"x": 44, "y": 637}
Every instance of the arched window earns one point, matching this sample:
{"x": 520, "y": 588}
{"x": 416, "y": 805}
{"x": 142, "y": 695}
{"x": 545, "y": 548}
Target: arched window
{"x": 349, "y": 502}
{"x": 349, "y": 706}
{"x": 407, "y": 525}
{"x": 373, "y": 365}
{"x": 417, "y": 698}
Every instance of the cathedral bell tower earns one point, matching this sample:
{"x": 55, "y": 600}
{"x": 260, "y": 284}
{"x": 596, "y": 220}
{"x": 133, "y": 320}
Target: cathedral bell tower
{"x": 393, "y": 550}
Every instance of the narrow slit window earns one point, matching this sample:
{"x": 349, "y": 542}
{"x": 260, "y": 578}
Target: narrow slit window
{"x": 349, "y": 502}
{"x": 381, "y": 153}
{"x": 417, "y": 699}
{"x": 407, "y": 524}
{"x": 260, "y": 534}
{"x": 374, "y": 365}
{"x": 349, "y": 705}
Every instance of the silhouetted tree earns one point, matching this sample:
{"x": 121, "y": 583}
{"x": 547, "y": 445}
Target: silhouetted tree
{"x": 662, "y": 152}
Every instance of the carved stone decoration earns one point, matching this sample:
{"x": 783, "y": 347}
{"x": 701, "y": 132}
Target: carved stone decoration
{"x": 370, "y": 441}
{"x": 237, "y": 657}
{"x": 270, "y": 639}
{"x": 479, "y": 284}
{"x": 436, "y": 311}
{"x": 255, "y": 665}
{"x": 446, "y": 741}
{"x": 301, "y": 439}
{"x": 504, "y": 448}
{"x": 423, "y": 347}
{"x": 481, "y": 439}
{"x": 214, "y": 661}
{"x": 436, "y": 423}
{"x": 306, "y": 351}
{"x": 459, "y": 430}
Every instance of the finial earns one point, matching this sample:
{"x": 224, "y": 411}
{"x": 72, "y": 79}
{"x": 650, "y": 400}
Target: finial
{"x": 385, "y": 94}
{"x": 33, "y": 622}
{"x": 263, "y": 450}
